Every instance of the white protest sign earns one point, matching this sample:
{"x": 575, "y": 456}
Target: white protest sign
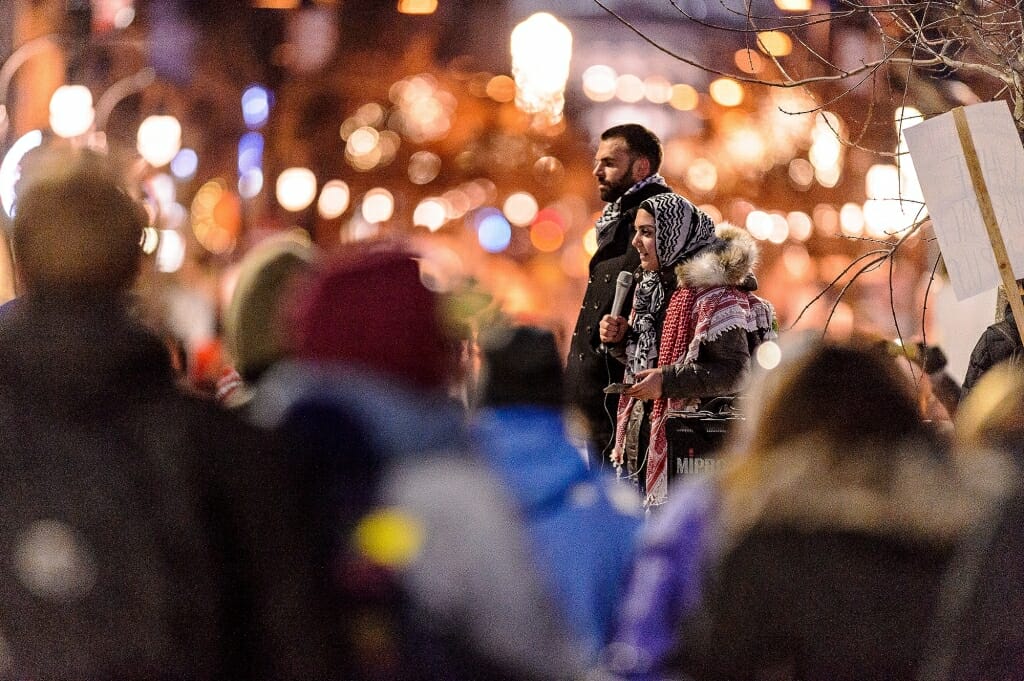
{"x": 941, "y": 155}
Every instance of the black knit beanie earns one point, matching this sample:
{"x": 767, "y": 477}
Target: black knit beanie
{"x": 521, "y": 365}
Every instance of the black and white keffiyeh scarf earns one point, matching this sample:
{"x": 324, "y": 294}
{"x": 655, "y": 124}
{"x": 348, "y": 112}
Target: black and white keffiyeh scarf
{"x": 681, "y": 230}
{"x": 613, "y": 210}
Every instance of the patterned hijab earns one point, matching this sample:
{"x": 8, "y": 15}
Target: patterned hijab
{"x": 681, "y": 230}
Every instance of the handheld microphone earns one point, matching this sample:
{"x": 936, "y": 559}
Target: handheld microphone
{"x": 622, "y": 286}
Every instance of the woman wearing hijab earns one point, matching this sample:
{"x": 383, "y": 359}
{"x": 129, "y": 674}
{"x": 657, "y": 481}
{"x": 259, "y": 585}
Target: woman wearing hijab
{"x": 689, "y": 336}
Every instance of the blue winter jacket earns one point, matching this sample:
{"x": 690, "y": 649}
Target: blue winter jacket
{"x": 582, "y": 524}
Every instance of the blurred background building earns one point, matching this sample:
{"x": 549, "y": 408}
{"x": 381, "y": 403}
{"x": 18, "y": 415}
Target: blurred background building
{"x": 468, "y": 127}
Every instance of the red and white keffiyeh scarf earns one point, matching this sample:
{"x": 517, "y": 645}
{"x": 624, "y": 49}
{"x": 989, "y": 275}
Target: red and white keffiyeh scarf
{"x": 693, "y": 317}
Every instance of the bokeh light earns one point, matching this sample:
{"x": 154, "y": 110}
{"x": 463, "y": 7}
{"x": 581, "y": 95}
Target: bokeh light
{"x": 520, "y": 208}
{"x": 826, "y": 218}
{"x": 250, "y": 183}
{"x": 255, "y": 106}
{"x": 296, "y": 188}
{"x": 424, "y": 166}
{"x": 547, "y": 169}
{"x": 828, "y": 177}
{"x": 71, "y": 111}
{"x": 748, "y": 61}
{"x": 431, "y": 213}
{"x": 362, "y": 141}
{"x": 797, "y": 261}
{"x": 150, "y": 240}
{"x": 250, "y": 152}
{"x": 775, "y": 43}
{"x": 907, "y": 117}
{"x": 684, "y": 97}
{"x": 334, "y": 199}
{"x": 599, "y": 82}
{"x": 378, "y": 205}
{"x": 547, "y": 236}
{"x": 759, "y": 224}
{"x": 159, "y": 139}
{"x": 216, "y": 217}
{"x": 170, "y": 254}
{"x": 629, "y": 88}
{"x": 657, "y": 89}
{"x": 779, "y": 231}
{"x": 184, "y": 164}
{"x": 851, "y": 219}
{"x": 494, "y": 232}
{"x": 768, "y": 355}
{"x": 161, "y": 187}
{"x": 800, "y": 225}
{"x": 501, "y": 89}
{"x": 702, "y": 175}
{"x": 458, "y": 203}
{"x": 423, "y": 111}
{"x": 726, "y": 91}
{"x": 417, "y": 6}
{"x": 801, "y": 172}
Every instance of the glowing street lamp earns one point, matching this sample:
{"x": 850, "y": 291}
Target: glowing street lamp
{"x": 541, "y": 52}
{"x": 159, "y": 140}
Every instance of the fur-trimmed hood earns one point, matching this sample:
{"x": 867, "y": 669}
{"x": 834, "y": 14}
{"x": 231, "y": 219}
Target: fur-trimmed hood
{"x": 729, "y": 262}
{"x": 911, "y": 493}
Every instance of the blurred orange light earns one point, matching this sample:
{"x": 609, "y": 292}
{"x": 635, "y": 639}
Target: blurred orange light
{"x": 417, "y": 6}
{"x": 551, "y": 215}
{"x": 216, "y": 217}
{"x": 275, "y": 4}
{"x": 726, "y": 91}
{"x": 793, "y": 5}
{"x": 748, "y": 61}
{"x": 501, "y": 89}
{"x": 775, "y": 43}
{"x": 547, "y": 236}
{"x": 684, "y": 97}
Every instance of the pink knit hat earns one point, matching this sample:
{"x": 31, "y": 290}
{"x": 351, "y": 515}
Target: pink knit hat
{"x": 368, "y": 308}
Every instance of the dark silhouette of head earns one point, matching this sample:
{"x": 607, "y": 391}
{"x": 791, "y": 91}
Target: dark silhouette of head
{"x": 521, "y": 365}
{"x": 75, "y": 228}
{"x": 848, "y": 397}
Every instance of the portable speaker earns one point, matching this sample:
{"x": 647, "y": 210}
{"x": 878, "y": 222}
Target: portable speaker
{"x": 693, "y": 443}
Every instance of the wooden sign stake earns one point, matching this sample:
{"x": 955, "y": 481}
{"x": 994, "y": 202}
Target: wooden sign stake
{"x": 988, "y": 214}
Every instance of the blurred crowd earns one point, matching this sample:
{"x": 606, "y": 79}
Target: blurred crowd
{"x": 377, "y": 491}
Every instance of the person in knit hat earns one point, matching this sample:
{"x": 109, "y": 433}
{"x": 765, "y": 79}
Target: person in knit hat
{"x": 690, "y": 333}
{"x": 369, "y": 310}
{"x": 416, "y": 533}
{"x": 255, "y": 330}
